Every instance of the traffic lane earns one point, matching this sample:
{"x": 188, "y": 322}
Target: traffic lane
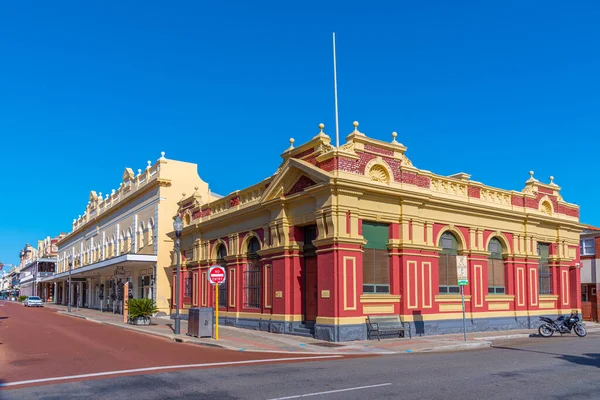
{"x": 531, "y": 369}
{"x": 40, "y": 343}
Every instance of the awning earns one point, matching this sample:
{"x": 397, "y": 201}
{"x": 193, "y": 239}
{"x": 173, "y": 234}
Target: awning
{"x": 124, "y": 260}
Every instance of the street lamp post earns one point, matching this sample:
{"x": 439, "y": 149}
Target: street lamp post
{"x": 177, "y": 227}
{"x": 69, "y": 285}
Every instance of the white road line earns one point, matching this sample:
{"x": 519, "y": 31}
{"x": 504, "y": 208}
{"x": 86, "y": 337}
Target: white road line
{"x": 331, "y": 391}
{"x": 129, "y": 371}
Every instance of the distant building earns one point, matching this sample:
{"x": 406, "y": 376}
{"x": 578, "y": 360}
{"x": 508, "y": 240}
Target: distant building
{"x": 37, "y": 264}
{"x": 122, "y": 236}
{"x": 338, "y": 234}
{"x": 590, "y": 272}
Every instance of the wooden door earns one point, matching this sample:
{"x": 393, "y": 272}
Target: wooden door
{"x": 310, "y": 288}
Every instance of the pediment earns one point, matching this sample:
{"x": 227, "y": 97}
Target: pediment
{"x": 293, "y": 177}
{"x": 128, "y": 174}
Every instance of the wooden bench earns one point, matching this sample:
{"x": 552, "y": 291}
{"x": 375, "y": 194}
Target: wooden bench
{"x": 386, "y": 324}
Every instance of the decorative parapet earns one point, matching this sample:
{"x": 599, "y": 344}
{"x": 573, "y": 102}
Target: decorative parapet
{"x": 234, "y": 201}
{"x": 99, "y": 204}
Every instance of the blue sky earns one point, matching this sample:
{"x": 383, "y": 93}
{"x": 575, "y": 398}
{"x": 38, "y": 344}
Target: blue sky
{"x": 494, "y": 89}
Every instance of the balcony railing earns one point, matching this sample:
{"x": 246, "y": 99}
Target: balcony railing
{"x": 44, "y": 274}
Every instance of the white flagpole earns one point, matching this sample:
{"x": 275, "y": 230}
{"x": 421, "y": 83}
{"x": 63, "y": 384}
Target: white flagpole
{"x": 337, "y": 127}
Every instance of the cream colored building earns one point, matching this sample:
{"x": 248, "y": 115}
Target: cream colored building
{"x": 121, "y": 236}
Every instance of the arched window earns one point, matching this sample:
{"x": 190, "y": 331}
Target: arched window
{"x": 141, "y": 236}
{"x": 111, "y": 247}
{"x": 448, "y": 276}
{"x": 544, "y": 271}
{"x": 495, "y": 267}
{"x": 252, "y": 275}
{"x": 221, "y": 254}
{"x": 129, "y": 243}
{"x": 122, "y": 242}
{"x": 150, "y": 232}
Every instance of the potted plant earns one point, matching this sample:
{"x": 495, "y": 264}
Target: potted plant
{"x": 140, "y": 311}
{"x": 22, "y": 298}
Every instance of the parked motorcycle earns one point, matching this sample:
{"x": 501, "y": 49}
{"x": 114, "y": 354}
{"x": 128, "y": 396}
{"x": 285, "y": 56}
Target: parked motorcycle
{"x": 562, "y": 325}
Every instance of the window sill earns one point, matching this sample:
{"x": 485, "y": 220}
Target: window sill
{"x": 548, "y": 297}
{"x": 500, "y": 297}
{"x": 379, "y": 298}
{"x": 451, "y": 297}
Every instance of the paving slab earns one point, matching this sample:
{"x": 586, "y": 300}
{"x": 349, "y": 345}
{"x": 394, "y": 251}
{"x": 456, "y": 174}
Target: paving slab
{"x": 248, "y": 340}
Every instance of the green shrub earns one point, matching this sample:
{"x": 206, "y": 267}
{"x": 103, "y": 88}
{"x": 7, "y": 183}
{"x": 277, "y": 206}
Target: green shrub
{"x": 22, "y": 298}
{"x": 141, "y": 308}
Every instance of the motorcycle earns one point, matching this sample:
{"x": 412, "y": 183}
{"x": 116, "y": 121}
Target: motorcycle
{"x": 562, "y": 325}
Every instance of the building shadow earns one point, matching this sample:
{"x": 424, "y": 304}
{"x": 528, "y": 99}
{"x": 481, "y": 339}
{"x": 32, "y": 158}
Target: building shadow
{"x": 419, "y": 323}
{"x": 587, "y": 359}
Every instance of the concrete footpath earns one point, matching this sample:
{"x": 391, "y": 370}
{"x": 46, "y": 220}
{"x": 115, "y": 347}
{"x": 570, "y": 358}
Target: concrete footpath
{"x": 247, "y": 340}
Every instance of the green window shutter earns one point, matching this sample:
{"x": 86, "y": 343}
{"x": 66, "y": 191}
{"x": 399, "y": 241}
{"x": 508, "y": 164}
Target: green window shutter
{"x": 376, "y": 235}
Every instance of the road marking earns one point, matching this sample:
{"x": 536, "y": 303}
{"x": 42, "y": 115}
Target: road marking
{"x": 129, "y": 371}
{"x": 331, "y": 391}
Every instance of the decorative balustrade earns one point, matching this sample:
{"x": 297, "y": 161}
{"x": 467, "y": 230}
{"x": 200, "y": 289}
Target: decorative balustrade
{"x": 99, "y": 205}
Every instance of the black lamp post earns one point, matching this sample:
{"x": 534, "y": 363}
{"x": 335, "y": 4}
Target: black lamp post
{"x": 177, "y": 227}
{"x": 70, "y": 261}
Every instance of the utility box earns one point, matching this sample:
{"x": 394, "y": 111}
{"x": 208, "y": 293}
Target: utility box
{"x": 200, "y": 322}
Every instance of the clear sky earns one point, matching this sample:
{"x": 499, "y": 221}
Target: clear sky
{"x": 494, "y": 89}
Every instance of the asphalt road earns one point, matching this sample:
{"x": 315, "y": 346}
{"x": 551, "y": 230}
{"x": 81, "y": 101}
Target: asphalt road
{"x": 555, "y": 368}
{"x": 38, "y": 344}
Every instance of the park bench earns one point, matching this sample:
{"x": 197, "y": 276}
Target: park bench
{"x": 385, "y": 325}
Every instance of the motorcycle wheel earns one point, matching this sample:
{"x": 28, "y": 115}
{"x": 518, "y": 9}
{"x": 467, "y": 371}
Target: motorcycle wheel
{"x": 580, "y": 330}
{"x": 545, "y": 331}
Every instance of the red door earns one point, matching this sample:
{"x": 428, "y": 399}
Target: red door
{"x": 310, "y": 289}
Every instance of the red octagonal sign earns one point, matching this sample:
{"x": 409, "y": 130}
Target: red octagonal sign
{"x": 216, "y": 275}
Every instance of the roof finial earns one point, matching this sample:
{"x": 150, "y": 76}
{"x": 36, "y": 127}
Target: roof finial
{"x": 552, "y": 181}
{"x": 394, "y": 134}
{"x": 139, "y": 172}
{"x": 356, "y": 131}
{"x": 321, "y": 134}
{"x": 291, "y": 144}
{"x": 162, "y": 155}
{"x": 148, "y": 167}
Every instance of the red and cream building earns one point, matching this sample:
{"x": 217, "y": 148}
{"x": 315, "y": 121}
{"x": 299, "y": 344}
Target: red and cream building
{"x": 590, "y": 273}
{"x": 341, "y": 233}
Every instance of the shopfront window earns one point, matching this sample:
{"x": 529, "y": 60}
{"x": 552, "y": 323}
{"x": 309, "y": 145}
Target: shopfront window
{"x": 495, "y": 267}
{"x": 544, "y": 271}
{"x": 376, "y": 263}
{"x": 252, "y": 275}
{"x": 448, "y": 276}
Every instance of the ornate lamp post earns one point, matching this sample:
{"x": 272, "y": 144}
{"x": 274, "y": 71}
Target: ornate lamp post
{"x": 70, "y": 261}
{"x": 178, "y": 228}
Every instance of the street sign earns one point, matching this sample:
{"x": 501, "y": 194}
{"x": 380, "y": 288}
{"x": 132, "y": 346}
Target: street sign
{"x": 461, "y": 270}
{"x": 216, "y": 275}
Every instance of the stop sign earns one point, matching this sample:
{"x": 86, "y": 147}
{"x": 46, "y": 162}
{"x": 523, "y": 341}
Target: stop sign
{"x": 216, "y": 275}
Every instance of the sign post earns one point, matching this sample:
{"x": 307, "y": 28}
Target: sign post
{"x": 125, "y": 305}
{"x": 216, "y": 276}
{"x": 461, "y": 272}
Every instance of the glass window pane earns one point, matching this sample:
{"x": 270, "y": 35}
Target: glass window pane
{"x": 369, "y": 266}
{"x": 368, "y": 289}
{"x": 442, "y": 268}
{"x": 452, "y": 272}
{"x": 382, "y": 270}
